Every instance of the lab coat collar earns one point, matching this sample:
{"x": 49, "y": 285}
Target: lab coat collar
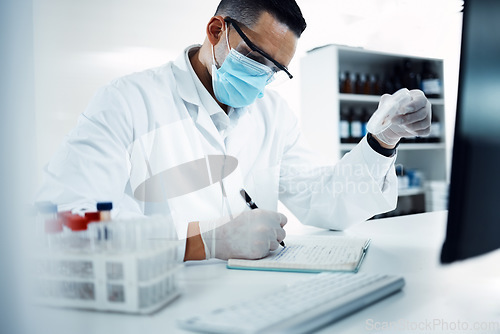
{"x": 185, "y": 85}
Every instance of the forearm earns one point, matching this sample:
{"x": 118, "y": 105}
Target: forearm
{"x": 195, "y": 250}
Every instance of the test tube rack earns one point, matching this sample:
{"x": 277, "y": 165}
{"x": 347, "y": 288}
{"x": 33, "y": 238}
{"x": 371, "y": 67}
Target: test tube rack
{"x": 124, "y": 280}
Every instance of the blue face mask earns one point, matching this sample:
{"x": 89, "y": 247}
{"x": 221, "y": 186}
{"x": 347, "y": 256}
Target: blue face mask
{"x": 240, "y": 80}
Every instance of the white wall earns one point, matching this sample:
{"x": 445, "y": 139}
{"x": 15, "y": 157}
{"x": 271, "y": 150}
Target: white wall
{"x": 81, "y": 45}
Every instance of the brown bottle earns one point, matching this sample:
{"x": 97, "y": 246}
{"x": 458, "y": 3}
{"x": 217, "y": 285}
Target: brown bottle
{"x": 347, "y": 86}
{"x": 367, "y": 88}
{"x": 359, "y": 83}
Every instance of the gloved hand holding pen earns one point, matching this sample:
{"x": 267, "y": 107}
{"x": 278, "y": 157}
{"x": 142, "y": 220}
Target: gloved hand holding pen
{"x": 400, "y": 115}
{"x": 251, "y": 235}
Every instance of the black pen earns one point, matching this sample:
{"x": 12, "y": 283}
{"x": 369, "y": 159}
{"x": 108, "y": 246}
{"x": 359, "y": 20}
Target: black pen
{"x": 251, "y": 204}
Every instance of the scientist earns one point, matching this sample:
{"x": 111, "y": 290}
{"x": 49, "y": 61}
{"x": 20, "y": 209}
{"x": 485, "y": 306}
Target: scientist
{"x": 183, "y": 139}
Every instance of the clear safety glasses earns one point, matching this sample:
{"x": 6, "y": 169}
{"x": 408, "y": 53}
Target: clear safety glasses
{"x": 250, "y": 50}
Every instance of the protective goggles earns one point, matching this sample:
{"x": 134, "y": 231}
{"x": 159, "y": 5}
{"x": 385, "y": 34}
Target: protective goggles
{"x": 250, "y": 50}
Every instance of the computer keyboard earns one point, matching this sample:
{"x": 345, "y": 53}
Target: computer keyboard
{"x": 300, "y": 307}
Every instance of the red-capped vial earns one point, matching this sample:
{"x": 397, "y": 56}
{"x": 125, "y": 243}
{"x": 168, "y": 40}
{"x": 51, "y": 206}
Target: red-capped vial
{"x": 77, "y": 237}
{"x": 93, "y": 216}
{"x": 76, "y": 223}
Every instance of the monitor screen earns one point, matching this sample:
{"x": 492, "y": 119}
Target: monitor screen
{"x": 474, "y": 202}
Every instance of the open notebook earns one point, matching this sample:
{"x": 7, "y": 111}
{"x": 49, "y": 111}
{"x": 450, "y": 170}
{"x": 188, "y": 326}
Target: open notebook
{"x": 311, "y": 254}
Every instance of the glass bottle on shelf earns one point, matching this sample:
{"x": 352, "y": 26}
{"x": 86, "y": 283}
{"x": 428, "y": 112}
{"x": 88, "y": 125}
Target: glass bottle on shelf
{"x": 430, "y": 84}
{"x": 378, "y": 88}
{"x": 388, "y": 87}
{"x": 356, "y": 125}
{"x": 373, "y": 84}
{"x": 409, "y": 77}
{"x": 344, "y": 126}
{"x": 397, "y": 79}
{"x": 365, "y": 116}
{"x": 359, "y": 83}
{"x": 342, "y": 79}
{"x": 435, "y": 135}
{"x": 347, "y": 85}
{"x": 367, "y": 87}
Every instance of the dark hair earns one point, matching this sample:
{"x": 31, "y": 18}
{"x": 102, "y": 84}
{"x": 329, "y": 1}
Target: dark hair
{"x": 249, "y": 11}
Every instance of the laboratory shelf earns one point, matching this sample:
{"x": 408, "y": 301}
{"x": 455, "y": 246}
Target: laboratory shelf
{"x": 405, "y": 146}
{"x": 437, "y": 102}
{"x": 324, "y": 119}
{"x": 360, "y": 98}
{"x": 410, "y": 192}
{"x": 422, "y": 146}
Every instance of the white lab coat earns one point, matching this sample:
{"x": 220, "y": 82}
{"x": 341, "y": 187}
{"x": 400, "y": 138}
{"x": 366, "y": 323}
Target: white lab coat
{"x": 145, "y": 140}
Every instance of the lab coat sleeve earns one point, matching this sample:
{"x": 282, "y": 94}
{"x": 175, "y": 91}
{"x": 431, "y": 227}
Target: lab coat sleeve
{"x": 362, "y": 184}
{"x": 92, "y": 163}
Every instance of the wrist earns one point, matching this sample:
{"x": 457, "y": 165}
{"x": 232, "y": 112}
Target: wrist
{"x": 380, "y": 146}
{"x": 383, "y": 144}
{"x": 195, "y": 248}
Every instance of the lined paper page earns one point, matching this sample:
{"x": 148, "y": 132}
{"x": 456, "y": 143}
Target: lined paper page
{"x": 311, "y": 253}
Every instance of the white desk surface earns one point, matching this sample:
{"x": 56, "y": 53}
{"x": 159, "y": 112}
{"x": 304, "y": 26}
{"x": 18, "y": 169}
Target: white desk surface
{"x": 436, "y": 298}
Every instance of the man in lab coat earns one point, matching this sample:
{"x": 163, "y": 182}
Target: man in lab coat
{"x": 183, "y": 139}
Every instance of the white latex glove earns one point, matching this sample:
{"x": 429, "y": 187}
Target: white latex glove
{"x": 251, "y": 235}
{"x": 409, "y": 114}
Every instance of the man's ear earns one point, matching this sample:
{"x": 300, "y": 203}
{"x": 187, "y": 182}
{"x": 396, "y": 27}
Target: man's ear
{"x": 215, "y": 28}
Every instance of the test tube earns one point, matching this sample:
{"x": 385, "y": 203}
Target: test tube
{"x": 104, "y": 209}
{"x": 46, "y": 211}
{"x": 79, "y": 237}
{"x": 96, "y": 236}
{"x": 53, "y": 233}
{"x": 93, "y": 231}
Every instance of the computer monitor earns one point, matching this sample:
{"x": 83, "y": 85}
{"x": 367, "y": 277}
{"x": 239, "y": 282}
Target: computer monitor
{"x": 474, "y": 202}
